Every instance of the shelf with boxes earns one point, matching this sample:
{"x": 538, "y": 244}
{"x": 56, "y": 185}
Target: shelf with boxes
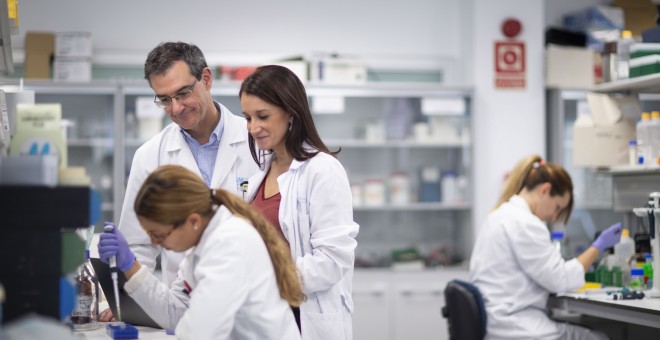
{"x": 410, "y": 136}
{"x": 89, "y": 121}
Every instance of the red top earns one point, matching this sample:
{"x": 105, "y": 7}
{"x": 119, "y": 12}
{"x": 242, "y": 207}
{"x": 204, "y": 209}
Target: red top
{"x": 269, "y": 208}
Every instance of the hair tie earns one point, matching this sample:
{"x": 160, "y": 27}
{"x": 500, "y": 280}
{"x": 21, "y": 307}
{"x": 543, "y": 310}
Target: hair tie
{"x": 213, "y": 194}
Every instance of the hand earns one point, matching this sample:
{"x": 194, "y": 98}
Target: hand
{"x": 106, "y": 316}
{"x": 114, "y": 244}
{"x": 608, "y": 238}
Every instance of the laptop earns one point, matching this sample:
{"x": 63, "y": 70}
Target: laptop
{"x": 131, "y": 312}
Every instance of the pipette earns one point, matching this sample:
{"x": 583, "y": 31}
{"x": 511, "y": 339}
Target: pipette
{"x": 109, "y": 228}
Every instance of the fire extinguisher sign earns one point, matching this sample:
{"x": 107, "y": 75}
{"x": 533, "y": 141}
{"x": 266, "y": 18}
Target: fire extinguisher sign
{"x": 510, "y": 64}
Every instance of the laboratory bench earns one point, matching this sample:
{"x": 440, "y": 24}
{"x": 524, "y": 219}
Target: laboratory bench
{"x": 146, "y": 333}
{"x": 620, "y": 319}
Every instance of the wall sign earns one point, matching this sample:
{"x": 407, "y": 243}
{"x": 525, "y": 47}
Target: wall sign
{"x": 510, "y": 60}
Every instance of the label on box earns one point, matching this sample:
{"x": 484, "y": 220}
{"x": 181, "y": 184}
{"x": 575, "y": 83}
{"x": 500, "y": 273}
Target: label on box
{"x": 73, "y": 44}
{"x": 72, "y": 69}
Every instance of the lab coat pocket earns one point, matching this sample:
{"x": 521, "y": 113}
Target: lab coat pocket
{"x": 305, "y": 233}
{"x": 319, "y": 326}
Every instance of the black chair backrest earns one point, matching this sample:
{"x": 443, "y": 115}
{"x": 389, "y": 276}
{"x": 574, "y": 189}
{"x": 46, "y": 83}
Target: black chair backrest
{"x": 465, "y": 311}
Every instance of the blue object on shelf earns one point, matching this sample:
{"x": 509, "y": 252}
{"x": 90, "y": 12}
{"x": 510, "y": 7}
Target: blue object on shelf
{"x": 121, "y": 331}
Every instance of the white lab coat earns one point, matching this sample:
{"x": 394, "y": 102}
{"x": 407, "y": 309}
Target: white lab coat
{"x": 515, "y": 266}
{"x": 234, "y": 292}
{"x": 233, "y": 165}
{"x": 316, "y": 216}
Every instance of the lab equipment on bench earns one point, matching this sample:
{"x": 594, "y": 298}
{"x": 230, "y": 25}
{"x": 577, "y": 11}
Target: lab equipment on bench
{"x": 132, "y": 313}
{"x": 109, "y": 228}
{"x": 120, "y": 330}
{"x": 652, "y": 212}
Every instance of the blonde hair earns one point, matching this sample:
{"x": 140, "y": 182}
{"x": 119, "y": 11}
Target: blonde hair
{"x": 171, "y": 193}
{"x": 532, "y": 171}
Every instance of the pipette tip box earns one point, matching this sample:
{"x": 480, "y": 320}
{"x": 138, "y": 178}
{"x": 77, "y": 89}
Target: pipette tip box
{"x": 120, "y": 330}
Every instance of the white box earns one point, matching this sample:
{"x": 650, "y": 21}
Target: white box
{"x": 73, "y": 44}
{"x": 569, "y": 67}
{"x": 338, "y": 71}
{"x": 72, "y": 69}
{"x": 601, "y": 145}
{"x": 299, "y": 67}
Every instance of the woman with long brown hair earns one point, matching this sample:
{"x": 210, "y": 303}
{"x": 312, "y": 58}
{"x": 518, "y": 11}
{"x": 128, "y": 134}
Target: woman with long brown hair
{"x": 237, "y": 280}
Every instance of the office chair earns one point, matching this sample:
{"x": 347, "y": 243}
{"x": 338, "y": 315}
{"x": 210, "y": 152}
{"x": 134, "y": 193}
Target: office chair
{"x": 465, "y": 311}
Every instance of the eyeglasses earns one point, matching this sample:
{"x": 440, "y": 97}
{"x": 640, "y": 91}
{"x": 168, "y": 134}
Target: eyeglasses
{"x": 165, "y": 101}
{"x": 159, "y": 238}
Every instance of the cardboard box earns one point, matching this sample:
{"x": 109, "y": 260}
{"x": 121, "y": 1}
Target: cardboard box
{"x": 600, "y": 139}
{"x": 578, "y": 73}
{"x": 639, "y": 15}
{"x": 602, "y": 146}
{"x": 39, "y": 47}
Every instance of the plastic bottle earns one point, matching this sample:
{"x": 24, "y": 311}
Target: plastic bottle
{"x": 654, "y": 137}
{"x": 648, "y": 270}
{"x": 557, "y": 237}
{"x": 617, "y": 276}
{"x": 643, "y": 140}
{"x": 632, "y": 152}
{"x": 623, "y": 251}
{"x": 449, "y": 187}
{"x": 623, "y": 53}
{"x": 636, "y": 278}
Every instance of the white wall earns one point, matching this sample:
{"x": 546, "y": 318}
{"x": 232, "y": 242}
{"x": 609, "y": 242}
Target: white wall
{"x": 509, "y": 124}
{"x": 415, "y": 33}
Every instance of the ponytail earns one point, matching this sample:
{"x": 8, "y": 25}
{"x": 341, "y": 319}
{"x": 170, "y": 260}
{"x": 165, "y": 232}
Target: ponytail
{"x": 285, "y": 269}
{"x": 532, "y": 171}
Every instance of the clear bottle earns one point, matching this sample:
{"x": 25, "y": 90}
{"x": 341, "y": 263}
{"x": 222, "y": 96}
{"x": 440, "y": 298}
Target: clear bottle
{"x": 636, "y": 278}
{"x": 643, "y": 141}
{"x": 557, "y": 237}
{"x": 85, "y": 314}
{"x": 654, "y": 137}
{"x": 623, "y": 53}
{"x": 624, "y": 251}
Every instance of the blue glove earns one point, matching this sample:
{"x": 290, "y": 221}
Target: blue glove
{"x": 114, "y": 244}
{"x": 608, "y": 238}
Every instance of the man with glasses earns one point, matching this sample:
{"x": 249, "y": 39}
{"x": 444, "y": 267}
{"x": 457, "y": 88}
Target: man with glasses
{"x": 205, "y": 137}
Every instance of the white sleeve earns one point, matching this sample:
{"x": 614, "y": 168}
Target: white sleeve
{"x": 331, "y": 227}
{"x": 137, "y": 238}
{"x": 542, "y": 262}
{"x": 165, "y": 305}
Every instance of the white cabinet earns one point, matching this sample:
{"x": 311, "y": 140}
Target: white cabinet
{"x": 398, "y": 305}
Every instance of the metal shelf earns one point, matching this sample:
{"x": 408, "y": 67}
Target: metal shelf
{"x": 645, "y": 84}
{"x": 419, "y": 206}
{"x": 363, "y": 144}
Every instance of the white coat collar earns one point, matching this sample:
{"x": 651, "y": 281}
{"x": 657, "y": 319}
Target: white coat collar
{"x": 519, "y": 202}
{"x": 230, "y": 134}
{"x": 221, "y": 214}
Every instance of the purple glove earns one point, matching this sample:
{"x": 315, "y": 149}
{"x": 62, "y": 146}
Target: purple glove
{"x": 608, "y": 237}
{"x": 114, "y": 244}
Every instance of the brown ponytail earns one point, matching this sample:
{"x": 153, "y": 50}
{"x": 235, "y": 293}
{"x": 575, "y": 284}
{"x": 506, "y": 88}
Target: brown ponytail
{"x": 532, "y": 171}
